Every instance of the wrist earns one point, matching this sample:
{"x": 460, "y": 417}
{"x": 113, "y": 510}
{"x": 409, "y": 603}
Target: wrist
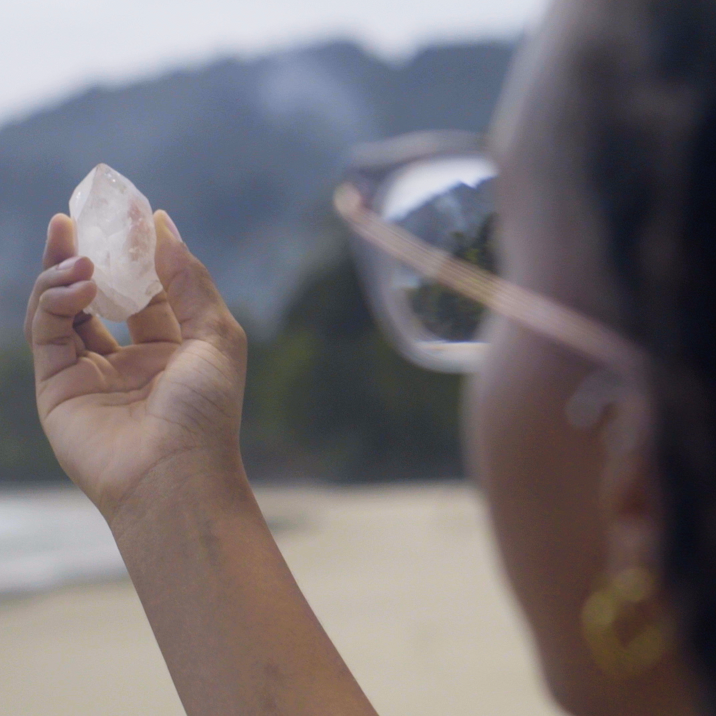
{"x": 183, "y": 487}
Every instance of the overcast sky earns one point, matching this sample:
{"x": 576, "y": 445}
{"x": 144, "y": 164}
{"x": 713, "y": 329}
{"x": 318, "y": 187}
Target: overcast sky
{"x": 51, "y": 48}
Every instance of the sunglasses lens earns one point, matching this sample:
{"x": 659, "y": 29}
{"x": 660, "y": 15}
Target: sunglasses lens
{"x": 448, "y": 202}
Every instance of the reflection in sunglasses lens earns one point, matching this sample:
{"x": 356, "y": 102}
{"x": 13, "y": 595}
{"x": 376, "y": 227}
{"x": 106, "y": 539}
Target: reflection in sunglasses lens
{"x": 450, "y": 205}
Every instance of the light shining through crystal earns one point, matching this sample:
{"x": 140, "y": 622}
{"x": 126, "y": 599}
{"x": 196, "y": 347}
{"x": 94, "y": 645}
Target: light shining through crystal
{"x": 115, "y": 229}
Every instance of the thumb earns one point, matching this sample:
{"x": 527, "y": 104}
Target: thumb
{"x": 191, "y": 292}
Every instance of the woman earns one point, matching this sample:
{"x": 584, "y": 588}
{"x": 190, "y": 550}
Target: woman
{"x": 605, "y": 144}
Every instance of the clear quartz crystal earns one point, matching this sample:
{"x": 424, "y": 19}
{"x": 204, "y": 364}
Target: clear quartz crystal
{"x": 115, "y": 229}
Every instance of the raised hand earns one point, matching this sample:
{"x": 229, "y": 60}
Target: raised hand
{"x": 113, "y": 414}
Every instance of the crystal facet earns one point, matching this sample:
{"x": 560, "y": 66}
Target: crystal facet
{"x": 115, "y": 229}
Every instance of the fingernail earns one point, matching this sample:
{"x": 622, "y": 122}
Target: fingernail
{"x": 68, "y": 263}
{"x": 172, "y": 227}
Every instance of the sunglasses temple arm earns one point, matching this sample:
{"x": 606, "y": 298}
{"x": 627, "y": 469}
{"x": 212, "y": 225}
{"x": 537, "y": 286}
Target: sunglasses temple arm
{"x": 582, "y": 334}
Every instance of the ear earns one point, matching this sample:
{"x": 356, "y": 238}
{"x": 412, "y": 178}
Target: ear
{"x": 630, "y": 495}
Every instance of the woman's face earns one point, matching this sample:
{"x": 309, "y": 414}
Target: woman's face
{"x": 541, "y": 475}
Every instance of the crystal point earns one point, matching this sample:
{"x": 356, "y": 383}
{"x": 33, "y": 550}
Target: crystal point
{"x": 115, "y": 229}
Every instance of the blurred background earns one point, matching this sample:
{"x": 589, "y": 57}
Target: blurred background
{"x": 236, "y": 118}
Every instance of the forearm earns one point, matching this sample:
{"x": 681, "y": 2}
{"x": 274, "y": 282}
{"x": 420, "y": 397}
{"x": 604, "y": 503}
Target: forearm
{"x": 235, "y": 630}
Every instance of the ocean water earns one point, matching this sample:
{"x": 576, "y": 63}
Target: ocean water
{"x": 51, "y": 537}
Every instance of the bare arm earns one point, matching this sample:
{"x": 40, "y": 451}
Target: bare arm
{"x": 150, "y": 433}
{"x": 236, "y": 632}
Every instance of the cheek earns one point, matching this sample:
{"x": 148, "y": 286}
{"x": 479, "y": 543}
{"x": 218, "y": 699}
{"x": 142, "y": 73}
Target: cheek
{"x": 540, "y": 478}
{"x": 518, "y": 434}
{"x": 540, "y": 475}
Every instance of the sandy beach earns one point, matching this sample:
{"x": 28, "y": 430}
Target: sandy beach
{"x": 404, "y": 579}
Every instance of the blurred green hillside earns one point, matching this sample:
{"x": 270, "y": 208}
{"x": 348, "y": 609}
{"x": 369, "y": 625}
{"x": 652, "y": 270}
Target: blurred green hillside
{"x": 330, "y": 398}
{"x": 25, "y": 454}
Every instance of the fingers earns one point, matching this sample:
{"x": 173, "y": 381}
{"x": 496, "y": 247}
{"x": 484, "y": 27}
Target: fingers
{"x": 72, "y": 270}
{"x": 156, "y": 322}
{"x": 53, "y": 336}
{"x": 92, "y": 334}
{"x": 60, "y": 241}
{"x": 60, "y": 245}
{"x": 191, "y": 294}
{"x": 60, "y": 293}
{"x": 95, "y": 335}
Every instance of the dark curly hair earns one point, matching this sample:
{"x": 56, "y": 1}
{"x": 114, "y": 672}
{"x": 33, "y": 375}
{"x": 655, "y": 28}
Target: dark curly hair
{"x": 650, "y": 76}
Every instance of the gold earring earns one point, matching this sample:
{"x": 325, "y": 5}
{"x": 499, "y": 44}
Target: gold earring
{"x": 618, "y": 604}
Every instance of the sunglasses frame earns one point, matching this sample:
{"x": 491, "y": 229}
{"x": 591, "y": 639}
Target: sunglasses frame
{"x": 369, "y": 167}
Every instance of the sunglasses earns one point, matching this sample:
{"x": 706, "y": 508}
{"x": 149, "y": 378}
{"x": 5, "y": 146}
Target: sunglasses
{"x": 423, "y": 214}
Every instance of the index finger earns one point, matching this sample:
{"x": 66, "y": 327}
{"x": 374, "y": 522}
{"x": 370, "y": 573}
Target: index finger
{"x": 60, "y": 245}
